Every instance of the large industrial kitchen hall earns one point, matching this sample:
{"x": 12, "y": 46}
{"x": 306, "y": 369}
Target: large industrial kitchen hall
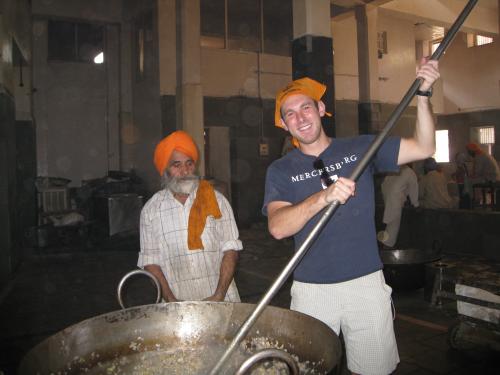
{"x": 137, "y": 136}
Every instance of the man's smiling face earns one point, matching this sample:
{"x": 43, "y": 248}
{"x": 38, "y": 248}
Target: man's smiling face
{"x": 301, "y": 116}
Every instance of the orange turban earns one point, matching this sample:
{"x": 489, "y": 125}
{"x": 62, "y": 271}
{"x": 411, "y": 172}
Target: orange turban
{"x": 178, "y": 140}
{"x": 474, "y": 147}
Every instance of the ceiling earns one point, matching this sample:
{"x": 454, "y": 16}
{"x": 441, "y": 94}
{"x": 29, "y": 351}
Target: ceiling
{"x": 350, "y": 3}
{"x": 430, "y": 24}
{"x": 424, "y": 31}
{"x": 489, "y": 4}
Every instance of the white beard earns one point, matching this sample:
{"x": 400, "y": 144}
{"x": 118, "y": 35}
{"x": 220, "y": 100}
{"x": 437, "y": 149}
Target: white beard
{"x": 181, "y": 185}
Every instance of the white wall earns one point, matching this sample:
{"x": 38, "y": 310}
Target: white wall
{"x": 483, "y": 17}
{"x": 69, "y": 108}
{"x": 471, "y": 76}
{"x": 76, "y": 105}
{"x": 345, "y": 57}
{"x": 394, "y": 72}
{"x": 233, "y": 73}
{"x": 396, "y": 69}
{"x": 391, "y": 76}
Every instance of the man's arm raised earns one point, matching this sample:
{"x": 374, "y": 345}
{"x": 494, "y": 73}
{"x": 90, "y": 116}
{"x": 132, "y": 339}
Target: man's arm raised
{"x": 423, "y": 143}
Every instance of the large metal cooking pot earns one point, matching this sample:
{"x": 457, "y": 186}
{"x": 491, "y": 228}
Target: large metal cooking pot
{"x": 404, "y": 269}
{"x": 181, "y": 338}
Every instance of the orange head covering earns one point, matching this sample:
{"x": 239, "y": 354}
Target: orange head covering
{"x": 178, "y": 140}
{"x": 474, "y": 147}
{"x": 305, "y": 86}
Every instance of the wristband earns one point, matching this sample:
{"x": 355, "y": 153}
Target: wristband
{"x": 427, "y": 93}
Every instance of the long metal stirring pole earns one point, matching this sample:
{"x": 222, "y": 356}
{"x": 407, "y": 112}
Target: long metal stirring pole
{"x": 330, "y": 210}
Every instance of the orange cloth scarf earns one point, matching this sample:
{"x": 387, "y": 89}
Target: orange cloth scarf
{"x": 205, "y": 204}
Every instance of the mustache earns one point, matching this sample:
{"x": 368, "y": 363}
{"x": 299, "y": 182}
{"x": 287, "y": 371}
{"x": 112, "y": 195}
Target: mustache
{"x": 184, "y": 184}
{"x": 187, "y": 178}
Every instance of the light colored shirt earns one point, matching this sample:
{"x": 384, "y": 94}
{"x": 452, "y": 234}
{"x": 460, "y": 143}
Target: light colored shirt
{"x": 191, "y": 274}
{"x": 395, "y": 189}
{"x": 433, "y": 191}
{"x": 485, "y": 169}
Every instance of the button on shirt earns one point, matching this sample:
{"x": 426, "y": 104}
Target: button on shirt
{"x": 191, "y": 274}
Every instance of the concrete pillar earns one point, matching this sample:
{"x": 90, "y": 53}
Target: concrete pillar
{"x": 189, "y": 96}
{"x": 312, "y": 49}
{"x": 368, "y": 110}
{"x": 112, "y": 61}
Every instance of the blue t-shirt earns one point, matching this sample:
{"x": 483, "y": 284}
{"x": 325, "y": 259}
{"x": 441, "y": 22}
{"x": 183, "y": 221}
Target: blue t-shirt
{"x": 346, "y": 248}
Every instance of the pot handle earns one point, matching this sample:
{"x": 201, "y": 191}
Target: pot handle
{"x": 137, "y": 272}
{"x": 269, "y": 353}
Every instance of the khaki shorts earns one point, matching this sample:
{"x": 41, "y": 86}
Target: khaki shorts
{"x": 362, "y": 310}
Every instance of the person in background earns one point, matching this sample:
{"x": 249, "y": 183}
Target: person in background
{"x": 397, "y": 190}
{"x": 462, "y": 179}
{"x": 485, "y": 173}
{"x": 189, "y": 239}
{"x": 339, "y": 280}
{"x": 433, "y": 187}
{"x": 485, "y": 168}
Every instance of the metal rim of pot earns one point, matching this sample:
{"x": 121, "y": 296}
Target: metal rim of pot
{"x": 181, "y": 328}
{"x": 259, "y": 356}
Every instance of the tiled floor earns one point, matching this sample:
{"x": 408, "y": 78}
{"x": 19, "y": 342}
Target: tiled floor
{"x": 58, "y": 287}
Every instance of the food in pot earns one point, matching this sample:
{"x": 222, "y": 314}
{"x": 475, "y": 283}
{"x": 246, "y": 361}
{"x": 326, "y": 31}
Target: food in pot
{"x": 141, "y": 358}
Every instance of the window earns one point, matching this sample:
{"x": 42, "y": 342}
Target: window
{"x": 484, "y": 135}
{"x": 213, "y": 26}
{"x": 442, "y": 154}
{"x": 487, "y": 135}
{"x": 243, "y": 18}
{"x": 481, "y": 40}
{"x": 437, "y": 35}
{"x": 474, "y": 40}
{"x": 435, "y": 45}
{"x": 249, "y": 25}
{"x": 278, "y": 27}
{"x": 75, "y": 41}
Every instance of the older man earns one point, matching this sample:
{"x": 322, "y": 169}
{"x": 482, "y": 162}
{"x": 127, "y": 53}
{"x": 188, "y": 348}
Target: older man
{"x": 189, "y": 238}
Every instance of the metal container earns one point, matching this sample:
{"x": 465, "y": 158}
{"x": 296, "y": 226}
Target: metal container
{"x": 181, "y": 338}
{"x": 404, "y": 269}
{"x": 119, "y": 212}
